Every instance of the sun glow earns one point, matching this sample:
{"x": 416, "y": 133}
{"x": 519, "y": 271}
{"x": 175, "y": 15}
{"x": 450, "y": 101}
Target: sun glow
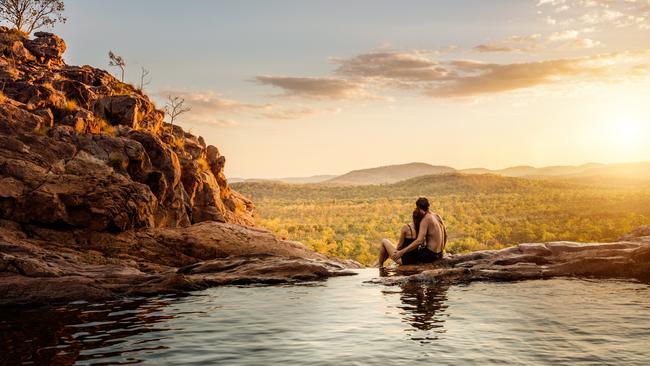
{"x": 624, "y": 129}
{"x": 627, "y": 131}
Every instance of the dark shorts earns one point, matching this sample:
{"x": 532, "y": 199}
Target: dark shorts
{"x": 420, "y": 256}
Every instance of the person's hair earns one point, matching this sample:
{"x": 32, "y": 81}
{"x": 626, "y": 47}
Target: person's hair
{"x": 417, "y": 219}
{"x": 423, "y": 204}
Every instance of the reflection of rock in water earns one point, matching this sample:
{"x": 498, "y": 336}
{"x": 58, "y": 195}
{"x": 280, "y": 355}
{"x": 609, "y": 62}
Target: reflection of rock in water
{"x": 58, "y": 335}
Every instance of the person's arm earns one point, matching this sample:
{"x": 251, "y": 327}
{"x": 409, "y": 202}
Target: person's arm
{"x": 402, "y": 237}
{"x": 422, "y": 236}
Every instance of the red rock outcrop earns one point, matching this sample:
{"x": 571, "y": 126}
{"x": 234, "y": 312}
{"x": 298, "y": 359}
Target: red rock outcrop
{"x": 99, "y": 197}
{"x": 71, "y": 130}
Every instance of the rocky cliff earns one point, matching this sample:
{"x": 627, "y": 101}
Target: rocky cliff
{"x": 99, "y": 196}
{"x": 81, "y": 149}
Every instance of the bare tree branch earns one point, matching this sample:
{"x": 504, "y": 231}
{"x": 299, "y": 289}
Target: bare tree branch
{"x": 117, "y": 61}
{"x": 30, "y": 15}
{"x": 144, "y": 78}
{"x": 175, "y": 107}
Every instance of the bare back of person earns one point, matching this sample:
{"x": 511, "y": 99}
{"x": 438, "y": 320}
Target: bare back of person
{"x": 434, "y": 235}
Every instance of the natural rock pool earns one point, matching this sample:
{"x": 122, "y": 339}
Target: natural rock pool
{"x": 345, "y": 321}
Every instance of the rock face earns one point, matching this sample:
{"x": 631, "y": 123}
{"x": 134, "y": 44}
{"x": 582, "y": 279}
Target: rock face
{"x": 81, "y": 149}
{"x": 100, "y": 197}
{"x": 626, "y": 259}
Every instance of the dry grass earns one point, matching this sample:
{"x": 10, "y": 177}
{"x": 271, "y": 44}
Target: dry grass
{"x": 120, "y": 88}
{"x": 178, "y": 142}
{"x": 80, "y": 126}
{"x": 13, "y": 35}
{"x": 203, "y": 163}
{"x": 105, "y": 127}
{"x": 71, "y": 105}
{"x": 42, "y": 130}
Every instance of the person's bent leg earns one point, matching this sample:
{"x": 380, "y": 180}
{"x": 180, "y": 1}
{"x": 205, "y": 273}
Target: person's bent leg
{"x": 387, "y": 249}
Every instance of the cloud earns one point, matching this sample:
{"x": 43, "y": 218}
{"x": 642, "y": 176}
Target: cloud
{"x": 287, "y": 114}
{"x": 404, "y": 66}
{"x": 214, "y": 122}
{"x": 563, "y": 35}
{"x": 492, "y": 47}
{"x": 599, "y": 13}
{"x": 569, "y": 38}
{"x": 211, "y": 108}
{"x": 416, "y": 71}
{"x": 585, "y": 43}
{"x": 315, "y": 87}
{"x": 474, "y": 79}
{"x": 498, "y": 78}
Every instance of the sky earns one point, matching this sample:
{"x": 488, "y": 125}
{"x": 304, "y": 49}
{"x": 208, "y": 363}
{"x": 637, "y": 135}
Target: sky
{"x": 300, "y": 88}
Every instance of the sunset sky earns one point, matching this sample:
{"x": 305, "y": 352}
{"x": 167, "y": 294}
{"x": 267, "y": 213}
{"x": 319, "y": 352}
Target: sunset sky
{"x": 298, "y": 88}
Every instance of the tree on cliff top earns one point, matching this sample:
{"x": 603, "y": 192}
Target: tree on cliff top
{"x": 29, "y": 15}
{"x": 117, "y": 61}
{"x": 174, "y": 107}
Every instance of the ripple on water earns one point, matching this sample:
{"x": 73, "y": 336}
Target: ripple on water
{"x": 345, "y": 321}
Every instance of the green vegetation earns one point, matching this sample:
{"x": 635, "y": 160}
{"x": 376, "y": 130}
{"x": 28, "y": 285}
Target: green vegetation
{"x": 481, "y": 212}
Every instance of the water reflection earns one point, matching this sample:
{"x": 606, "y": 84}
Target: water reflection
{"x": 64, "y": 335}
{"x": 422, "y": 306}
{"x": 346, "y": 318}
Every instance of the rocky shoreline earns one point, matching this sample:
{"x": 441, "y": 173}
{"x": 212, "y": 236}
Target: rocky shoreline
{"x": 101, "y": 266}
{"x": 100, "y": 198}
{"x": 628, "y": 258}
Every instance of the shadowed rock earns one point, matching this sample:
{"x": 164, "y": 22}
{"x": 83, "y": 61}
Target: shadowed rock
{"x": 46, "y": 265}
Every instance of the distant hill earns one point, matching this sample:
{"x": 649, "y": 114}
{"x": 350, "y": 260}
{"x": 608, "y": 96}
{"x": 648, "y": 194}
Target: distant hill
{"x": 613, "y": 174}
{"x": 388, "y": 174}
{"x": 593, "y": 172}
{"x": 531, "y": 172}
{"x": 429, "y": 185}
{"x": 620, "y": 174}
{"x": 290, "y": 180}
{"x": 307, "y": 180}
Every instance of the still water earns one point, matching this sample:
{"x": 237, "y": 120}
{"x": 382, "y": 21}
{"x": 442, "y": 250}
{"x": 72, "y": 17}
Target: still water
{"x": 345, "y": 321}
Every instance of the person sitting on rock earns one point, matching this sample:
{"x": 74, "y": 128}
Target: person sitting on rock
{"x": 424, "y": 242}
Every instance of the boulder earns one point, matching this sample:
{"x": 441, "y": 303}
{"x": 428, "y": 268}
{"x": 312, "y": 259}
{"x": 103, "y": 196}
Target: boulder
{"x": 47, "y": 47}
{"x": 125, "y": 110}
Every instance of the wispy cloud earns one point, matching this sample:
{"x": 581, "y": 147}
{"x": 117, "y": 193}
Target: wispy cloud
{"x": 211, "y": 108}
{"x": 568, "y": 38}
{"x": 599, "y": 13}
{"x": 316, "y": 87}
{"x": 403, "y": 66}
{"x": 421, "y": 73}
{"x": 473, "y": 79}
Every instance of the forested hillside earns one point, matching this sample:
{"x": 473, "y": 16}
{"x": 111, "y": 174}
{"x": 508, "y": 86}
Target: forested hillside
{"x": 481, "y": 212}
